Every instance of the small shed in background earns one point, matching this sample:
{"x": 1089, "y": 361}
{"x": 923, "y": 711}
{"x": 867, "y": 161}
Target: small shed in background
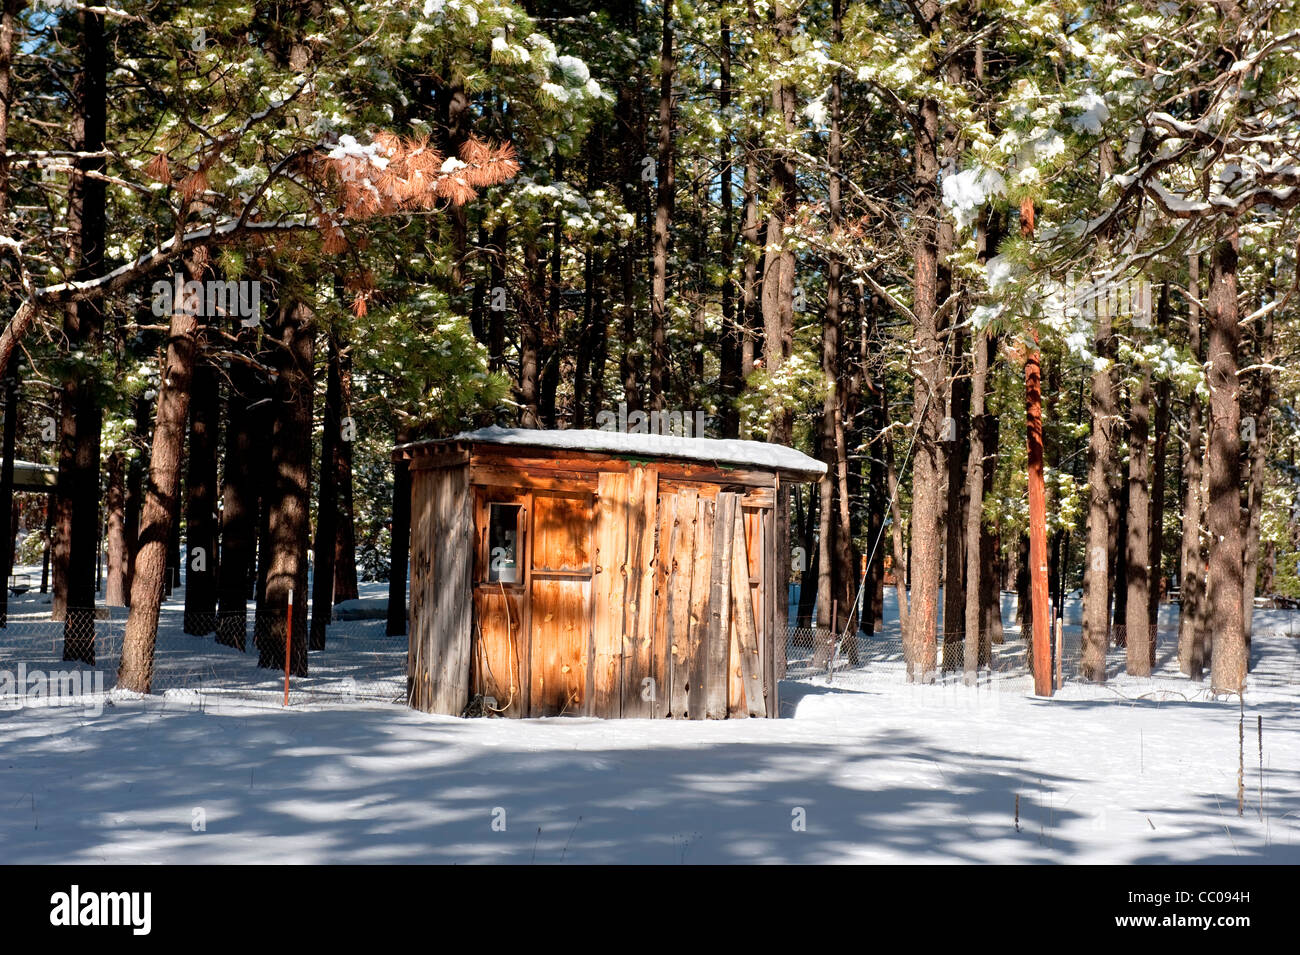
{"x": 598, "y": 573}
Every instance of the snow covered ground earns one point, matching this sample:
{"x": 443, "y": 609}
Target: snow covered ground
{"x": 868, "y": 769}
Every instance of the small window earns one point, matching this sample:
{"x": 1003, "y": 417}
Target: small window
{"x": 503, "y": 543}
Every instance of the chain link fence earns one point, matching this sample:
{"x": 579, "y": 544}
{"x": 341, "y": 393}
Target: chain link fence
{"x": 821, "y": 655}
{"x": 200, "y": 656}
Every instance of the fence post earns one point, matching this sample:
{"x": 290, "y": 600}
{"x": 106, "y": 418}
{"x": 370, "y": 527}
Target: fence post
{"x": 288, "y": 642}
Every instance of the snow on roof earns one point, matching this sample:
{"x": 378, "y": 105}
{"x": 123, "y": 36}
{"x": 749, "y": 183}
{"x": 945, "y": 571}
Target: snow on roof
{"x": 756, "y": 454}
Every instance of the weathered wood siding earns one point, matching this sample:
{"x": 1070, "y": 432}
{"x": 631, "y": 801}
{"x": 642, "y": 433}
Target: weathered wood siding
{"x": 645, "y": 589}
{"x": 608, "y": 587}
{"x": 442, "y": 548}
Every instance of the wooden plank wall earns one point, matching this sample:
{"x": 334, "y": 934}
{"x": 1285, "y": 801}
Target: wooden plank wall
{"x": 642, "y": 671}
{"x": 442, "y": 549}
{"x": 710, "y": 576}
{"x": 647, "y": 594}
{"x": 608, "y": 587}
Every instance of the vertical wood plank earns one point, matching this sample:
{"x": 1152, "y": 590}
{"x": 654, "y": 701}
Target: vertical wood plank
{"x": 559, "y": 645}
{"x": 448, "y": 612}
{"x": 679, "y": 597}
{"x": 608, "y": 589}
{"x": 696, "y": 691}
{"x": 660, "y": 647}
{"x": 718, "y": 640}
{"x": 639, "y": 680}
{"x": 749, "y": 661}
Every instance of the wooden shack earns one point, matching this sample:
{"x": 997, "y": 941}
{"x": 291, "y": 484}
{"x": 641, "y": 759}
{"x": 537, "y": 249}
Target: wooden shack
{"x": 598, "y": 573}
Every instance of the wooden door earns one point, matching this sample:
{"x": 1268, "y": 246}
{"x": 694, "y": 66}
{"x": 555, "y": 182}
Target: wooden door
{"x": 559, "y": 592}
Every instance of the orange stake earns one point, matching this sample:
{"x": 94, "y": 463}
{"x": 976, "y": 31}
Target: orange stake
{"x": 1037, "y": 524}
{"x": 288, "y": 642}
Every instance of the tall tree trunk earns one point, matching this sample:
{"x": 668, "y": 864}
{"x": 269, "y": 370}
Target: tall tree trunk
{"x": 9, "y": 26}
{"x": 1224, "y": 579}
{"x": 552, "y": 336}
{"x": 929, "y": 465}
{"x": 1024, "y": 593}
{"x": 876, "y": 488}
{"x": 1118, "y": 564}
{"x": 809, "y": 581}
{"x": 954, "y": 583}
{"x": 1101, "y": 464}
{"x": 902, "y": 572}
{"x": 1039, "y": 648}
{"x": 1137, "y": 544}
{"x": 730, "y": 370}
{"x": 530, "y": 336}
{"x": 7, "y": 472}
{"x": 1191, "y": 575}
{"x": 1159, "y": 455}
{"x": 847, "y": 576}
{"x": 975, "y": 637}
{"x": 497, "y": 296}
{"x": 245, "y": 439}
{"x": 1257, "y": 455}
{"x": 201, "y": 503}
{"x": 582, "y": 408}
{"x": 327, "y": 505}
{"x": 115, "y": 504}
{"x": 162, "y": 494}
{"x": 345, "y": 542}
{"x": 779, "y": 270}
{"x": 173, "y": 576}
{"x": 836, "y": 565}
{"x": 289, "y": 505}
{"x": 751, "y": 283}
{"x": 83, "y": 321}
{"x": 664, "y": 196}
{"x": 632, "y": 150}
{"x": 134, "y": 494}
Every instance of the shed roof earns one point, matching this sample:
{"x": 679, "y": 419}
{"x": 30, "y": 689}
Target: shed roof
{"x": 731, "y": 453}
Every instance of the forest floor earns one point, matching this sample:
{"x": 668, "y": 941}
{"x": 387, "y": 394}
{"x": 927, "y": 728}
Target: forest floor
{"x": 868, "y": 769}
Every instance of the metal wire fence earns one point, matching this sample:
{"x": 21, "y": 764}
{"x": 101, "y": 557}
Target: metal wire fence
{"x": 821, "y": 655}
{"x": 50, "y": 661}
{"x": 235, "y": 657}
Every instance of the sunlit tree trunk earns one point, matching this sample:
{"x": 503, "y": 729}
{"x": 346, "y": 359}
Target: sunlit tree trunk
{"x": 1224, "y": 580}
